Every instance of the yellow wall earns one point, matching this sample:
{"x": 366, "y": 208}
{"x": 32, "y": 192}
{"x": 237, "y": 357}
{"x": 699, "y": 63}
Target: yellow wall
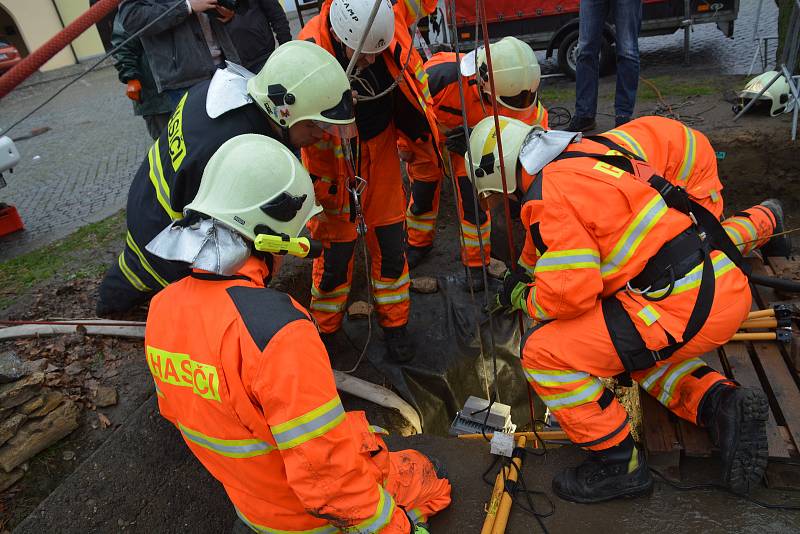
{"x": 37, "y": 21}
{"x": 88, "y": 44}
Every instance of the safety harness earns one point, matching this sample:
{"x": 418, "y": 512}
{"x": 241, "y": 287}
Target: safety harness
{"x": 673, "y": 261}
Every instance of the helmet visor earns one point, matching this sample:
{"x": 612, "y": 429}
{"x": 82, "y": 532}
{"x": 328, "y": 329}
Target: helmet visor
{"x": 519, "y": 102}
{"x": 343, "y": 111}
{"x": 343, "y": 131}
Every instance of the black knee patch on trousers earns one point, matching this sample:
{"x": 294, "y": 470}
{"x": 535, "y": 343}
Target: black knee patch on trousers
{"x": 423, "y": 193}
{"x": 390, "y": 241}
{"x": 468, "y": 202}
{"x": 335, "y": 261}
{"x": 700, "y": 372}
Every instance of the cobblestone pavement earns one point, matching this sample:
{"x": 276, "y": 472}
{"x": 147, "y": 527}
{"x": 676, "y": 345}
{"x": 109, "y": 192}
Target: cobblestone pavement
{"x": 79, "y": 171}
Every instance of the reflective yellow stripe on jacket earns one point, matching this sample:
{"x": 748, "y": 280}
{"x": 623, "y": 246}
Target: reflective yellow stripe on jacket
{"x": 636, "y": 231}
{"x": 232, "y": 448}
{"x": 309, "y": 425}
{"x": 159, "y": 182}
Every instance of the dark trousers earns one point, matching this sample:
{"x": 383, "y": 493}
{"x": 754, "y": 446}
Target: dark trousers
{"x": 627, "y": 22}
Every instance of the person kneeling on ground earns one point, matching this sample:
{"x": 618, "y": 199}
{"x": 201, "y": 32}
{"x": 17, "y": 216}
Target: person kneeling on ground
{"x": 621, "y": 281}
{"x": 241, "y": 371}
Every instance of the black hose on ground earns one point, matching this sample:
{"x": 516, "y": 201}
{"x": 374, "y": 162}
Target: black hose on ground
{"x": 781, "y": 284}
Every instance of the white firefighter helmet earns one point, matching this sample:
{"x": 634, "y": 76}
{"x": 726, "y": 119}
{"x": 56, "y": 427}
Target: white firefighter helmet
{"x": 778, "y": 93}
{"x": 303, "y": 81}
{"x": 254, "y": 185}
{"x": 349, "y": 22}
{"x": 486, "y": 157}
{"x": 516, "y": 72}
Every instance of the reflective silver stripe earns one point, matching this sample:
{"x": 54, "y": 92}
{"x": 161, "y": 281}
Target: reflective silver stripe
{"x": 653, "y": 377}
{"x": 637, "y": 230}
{"x": 233, "y": 448}
{"x": 310, "y": 425}
{"x": 327, "y": 529}
{"x": 582, "y": 395}
{"x": 554, "y": 380}
{"x": 676, "y": 373}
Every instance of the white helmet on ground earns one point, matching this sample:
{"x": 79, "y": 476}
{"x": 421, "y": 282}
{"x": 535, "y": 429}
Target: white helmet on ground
{"x": 255, "y": 185}
{"x": 515, "y": 68}
{"x": 778, "y": 93}
{"x": 303, "y": 81}
{"x": 349, "y": 22}
{"x": 486, "y": 156}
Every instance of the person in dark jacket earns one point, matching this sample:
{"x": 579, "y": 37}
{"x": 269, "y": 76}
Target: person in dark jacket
{"x": 184, "y": 47}
{"x": 254, "y": 31}
{"x": 134, "y": 71}
{"x": 301, "y": 96}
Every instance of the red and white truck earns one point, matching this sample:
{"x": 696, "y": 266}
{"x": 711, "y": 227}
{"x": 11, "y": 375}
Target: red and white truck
{"x": 552, "y": 25}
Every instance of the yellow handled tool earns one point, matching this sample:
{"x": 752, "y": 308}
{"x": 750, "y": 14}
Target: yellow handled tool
{"x": 302, "y": 247}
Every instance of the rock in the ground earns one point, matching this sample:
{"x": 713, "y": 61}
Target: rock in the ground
{"x": 9, "y": 479}
{"x": 36, "y": 365}
{"x": 35, "y": 436}
{"x": 74, "y": 368}
{"x": 105, "y": 396}
{"x": 358, "y": 310}
{"x": 19, "y": 392}
{"x": 42, "y": 404}
{"x": 497, "y": 269}
{"x": 11, "y": 368}
{"x": 10, "y": 426}
{"x": 424, "y": 284}
{"x": 68, "y": 455}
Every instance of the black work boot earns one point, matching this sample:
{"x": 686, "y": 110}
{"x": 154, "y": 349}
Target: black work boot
{"x": 473, "y": 281}
{"x": 336, "y": 344}
{"x": 581, "y": 124}
{"x": 415, "y": 255}
{"x": 736, "y": 419}
{"x": 620, "y": 471}
{"x": 398, "y": 343}
{"x": 780, "y": 245}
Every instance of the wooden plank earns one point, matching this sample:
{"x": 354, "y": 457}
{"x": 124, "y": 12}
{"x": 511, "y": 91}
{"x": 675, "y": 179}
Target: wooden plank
{"x": 743, "y": 372}
{"x": 782, "y": 385}
{"x": 785, "y": 268}
{"x": 658, "y": 426}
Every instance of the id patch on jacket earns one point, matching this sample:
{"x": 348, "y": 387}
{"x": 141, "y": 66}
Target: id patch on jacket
{"x": 180, "y": 370}
{"x": 177, "y": 147}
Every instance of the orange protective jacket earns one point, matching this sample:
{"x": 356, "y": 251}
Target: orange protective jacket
{"x": 325, "y": 160}
{"x": 676, "y": 152}
{"x": 442, "y": 70}
{"x": 581, "y": 249}
{"x": 243, "y": 374}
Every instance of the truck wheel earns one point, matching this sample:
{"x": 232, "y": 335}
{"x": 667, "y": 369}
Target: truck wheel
{"x": 568, "y": 55}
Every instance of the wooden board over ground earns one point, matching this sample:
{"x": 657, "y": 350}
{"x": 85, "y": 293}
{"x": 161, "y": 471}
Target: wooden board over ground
{"x": 769, "y": 366}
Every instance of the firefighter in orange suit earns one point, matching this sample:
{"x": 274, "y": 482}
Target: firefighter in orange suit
{"x": 629, "y": 275}
{"x": 241, "y": 371}
{"x": 516, "y": 76}
{"x": 685, "y": 158}
{"x": 392, "y": 97}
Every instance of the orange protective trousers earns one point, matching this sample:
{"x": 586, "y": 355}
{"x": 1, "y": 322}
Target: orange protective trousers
{"x": 383, "y": 206}
{"x": 563, "y": 359}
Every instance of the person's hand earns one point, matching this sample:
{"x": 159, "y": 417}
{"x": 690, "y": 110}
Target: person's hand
{"x": 198, "y": 6}
{"x": 134, "y": 90}
{"x": 514, "y": 294}
{"x": 406, "y": 156}
{"x": 420, "y": 528}
{"x": 456, "y": 140}
{"x": 225, "y": 14}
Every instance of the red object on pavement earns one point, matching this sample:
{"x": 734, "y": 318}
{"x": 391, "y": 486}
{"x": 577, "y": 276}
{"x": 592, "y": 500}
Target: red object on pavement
{"x": 9, "y": 56}
{"x": 31, "y": 64}
{"x": 10, "y": 221}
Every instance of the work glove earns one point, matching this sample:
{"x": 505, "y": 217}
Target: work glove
{"x": 514, "y": 294}
{"x": 419, "y": 528}
{"x": 134, "y": 90}
{"x": 457, "y": 139}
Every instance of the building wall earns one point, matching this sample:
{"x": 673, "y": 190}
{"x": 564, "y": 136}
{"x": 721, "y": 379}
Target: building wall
{"x": 37, "y": 21}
